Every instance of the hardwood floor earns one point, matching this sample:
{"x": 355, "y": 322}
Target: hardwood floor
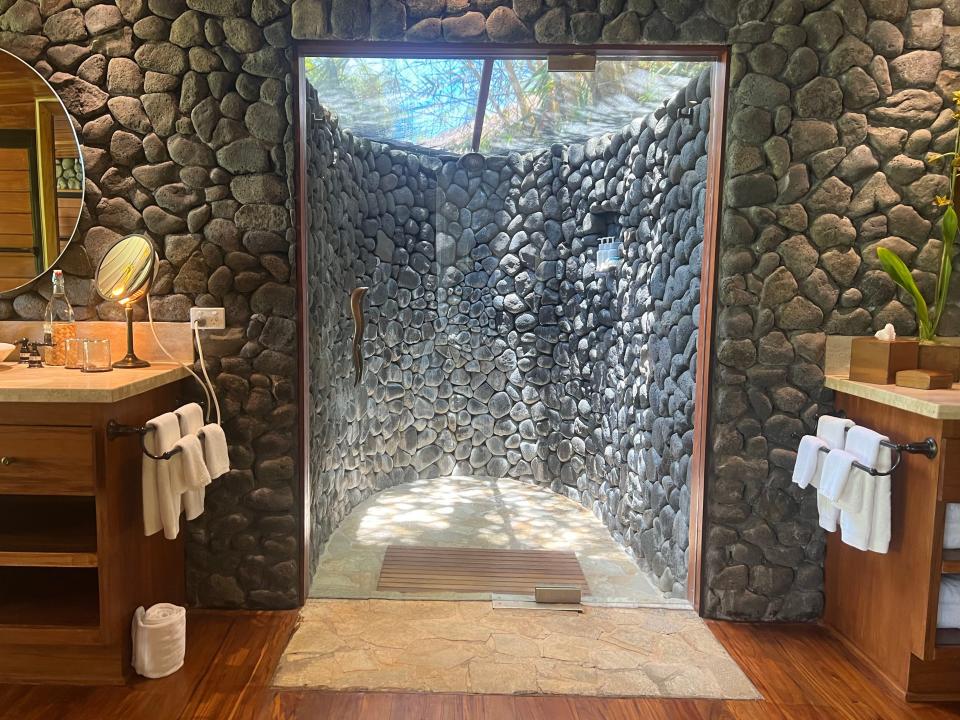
{"x": 801, "y": 671}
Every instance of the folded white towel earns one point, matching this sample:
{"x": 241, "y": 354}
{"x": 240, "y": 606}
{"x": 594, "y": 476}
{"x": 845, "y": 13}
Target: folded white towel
{"x": 188, "y": 471}
{"x": 161, "y": 502}
{"x": 857, "y": 525}
{"x": 951, "y": 527}
{"x": 191, "y": 420}
{"x": 833, "y": 431}
{"x": 215, "y": 450}
{"x": 808, "y": 460}
{"x": 159, "y": 640}
{"x": 836, "y": 473}
{"x": 948, "y": 611}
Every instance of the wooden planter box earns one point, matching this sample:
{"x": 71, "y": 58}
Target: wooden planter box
{"x": 941, "y": 356}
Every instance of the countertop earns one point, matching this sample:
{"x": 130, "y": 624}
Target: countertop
{"x": 18, "y": 383}
{"x": 936, "y": 404}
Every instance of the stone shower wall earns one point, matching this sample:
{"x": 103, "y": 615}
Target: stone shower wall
{"x": 183, "y": 111}
{"x": 494, "y": 347}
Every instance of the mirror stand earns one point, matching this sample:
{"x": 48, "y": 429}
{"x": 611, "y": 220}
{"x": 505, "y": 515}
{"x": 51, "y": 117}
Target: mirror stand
{"x": 130, "y": 360}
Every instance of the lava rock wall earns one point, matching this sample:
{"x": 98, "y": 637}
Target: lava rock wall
{"x": 832, "y": 107}
{"x": 493, "y": 346}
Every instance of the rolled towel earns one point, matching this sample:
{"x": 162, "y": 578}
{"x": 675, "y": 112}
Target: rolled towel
{"x": 189, "y": 472}
{"x": 836, "y": 473}
{"x": 808, "y": 460}
{"x": 191, "y": 420}
{"x": 161, "y": 501}
{"x": 159, "y": 640}
{"x": 948, "y": 610}
{"x": 951, "y": 527}
{"x": 215, "y": 450}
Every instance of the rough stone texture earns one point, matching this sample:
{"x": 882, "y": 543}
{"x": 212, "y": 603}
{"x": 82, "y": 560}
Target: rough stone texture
{"x": 754, "y": 517}
{"x": 494, "y": 347}
{"x": 150, "y": 166}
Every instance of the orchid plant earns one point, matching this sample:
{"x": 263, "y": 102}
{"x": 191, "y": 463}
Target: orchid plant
{"x": 898, "y": 270}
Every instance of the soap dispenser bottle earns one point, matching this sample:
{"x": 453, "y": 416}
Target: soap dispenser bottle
{"x": 58, "y": 322}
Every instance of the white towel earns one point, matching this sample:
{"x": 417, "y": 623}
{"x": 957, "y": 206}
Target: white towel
{"x": 836, "y": 474}
{"x": 948, "y": 610}
{"x": 191, "y": 420}
{"x": 833, "y": 431}
{"x": 808, "y": 460}
{"x": 215, "y": 450}
{"x": 188, "y": 471}
{"x": 159, "y": 640}
{"x": 161, "y": 503}
{"x": 951, "y": 527}
{"x": 868, "y": 528}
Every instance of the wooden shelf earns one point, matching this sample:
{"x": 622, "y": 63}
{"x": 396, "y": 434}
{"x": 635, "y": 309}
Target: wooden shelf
{"x": 48, "y": 598}
{"x": 951, "y": 562}
{"x": 40, "y": 531}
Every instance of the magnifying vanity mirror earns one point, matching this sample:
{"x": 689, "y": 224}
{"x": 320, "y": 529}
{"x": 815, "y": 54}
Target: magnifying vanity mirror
{"x": 124, "y": 276}
{"x": 41, "y": 175}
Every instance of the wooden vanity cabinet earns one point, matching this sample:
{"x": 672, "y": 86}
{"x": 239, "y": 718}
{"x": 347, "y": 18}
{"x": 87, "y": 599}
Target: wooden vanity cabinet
{"x": 885, "y": 606}
{"x": 74, "y": 563}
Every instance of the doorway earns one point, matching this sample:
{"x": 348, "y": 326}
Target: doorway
{"x": 500, "y": 354}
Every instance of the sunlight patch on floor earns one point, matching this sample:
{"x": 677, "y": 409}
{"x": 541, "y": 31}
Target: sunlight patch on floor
{"x": 477, "y": 512}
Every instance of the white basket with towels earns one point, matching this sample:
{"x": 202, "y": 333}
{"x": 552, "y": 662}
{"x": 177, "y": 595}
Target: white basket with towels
{"x": 159, "y": 640}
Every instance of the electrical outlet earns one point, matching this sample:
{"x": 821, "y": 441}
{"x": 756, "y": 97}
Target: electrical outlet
{"x": 208, "y": 318}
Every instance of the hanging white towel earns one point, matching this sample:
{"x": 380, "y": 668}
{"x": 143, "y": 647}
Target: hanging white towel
{"x": 833, "y": 431}
{"x": 191, "y": 420}
{"x": 188, "y": 469}
{"x": 836, "y": 474}
{"x": 951, "y": 527}
{"x": 948, "y": 611}
{"x": 161, "y": 503}
{"x": 159, "y": 640}
{"x": 869, "y": 527}
{"x": 215, "y": 450}
{"x": 808, "y": 459}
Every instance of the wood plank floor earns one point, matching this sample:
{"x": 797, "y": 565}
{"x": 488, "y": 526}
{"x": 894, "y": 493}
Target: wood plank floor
{"x": 801, "y": 671}
{"x": 421, "y": 569}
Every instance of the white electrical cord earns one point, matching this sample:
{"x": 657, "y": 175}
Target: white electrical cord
{"x": 203, "y": 367}
{"x": 207, "y": 393}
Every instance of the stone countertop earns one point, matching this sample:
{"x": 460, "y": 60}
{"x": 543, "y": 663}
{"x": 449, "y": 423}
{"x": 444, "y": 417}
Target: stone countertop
{"x": 936, "y": 404}
{"x": 20, "y": 384}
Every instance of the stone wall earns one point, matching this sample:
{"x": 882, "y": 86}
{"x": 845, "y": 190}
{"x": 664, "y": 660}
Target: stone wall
{"x": 493, "y": 345}
{"x": 832, "y": 107}
{"x": 183, "y": 110}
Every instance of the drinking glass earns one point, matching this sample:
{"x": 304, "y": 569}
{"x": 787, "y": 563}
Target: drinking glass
{"x": 73, "y": 353}
{"x": 96, "y": 355}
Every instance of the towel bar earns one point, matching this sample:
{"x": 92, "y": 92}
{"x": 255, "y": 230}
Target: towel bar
{"x": 926, "y": 447}
{"x": 115, "y": 430}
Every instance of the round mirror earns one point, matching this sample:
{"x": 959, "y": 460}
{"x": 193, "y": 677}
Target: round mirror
{"x": 126, "y": 271}
{"x": 41, "y": 174}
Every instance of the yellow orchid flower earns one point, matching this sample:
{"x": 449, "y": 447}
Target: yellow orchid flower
{"x": 941, "y": 201}
{"x": 933, "y": 157}
{"x": 956, "y": 97}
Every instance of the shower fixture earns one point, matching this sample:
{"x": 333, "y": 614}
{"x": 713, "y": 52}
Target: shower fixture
{"x": 359, "y": 323}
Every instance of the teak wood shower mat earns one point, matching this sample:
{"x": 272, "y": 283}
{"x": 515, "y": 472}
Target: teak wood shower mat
{"x": 419, "y": 569}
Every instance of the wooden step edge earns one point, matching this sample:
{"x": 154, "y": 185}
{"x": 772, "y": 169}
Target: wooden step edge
{"x": 951, "y": 562}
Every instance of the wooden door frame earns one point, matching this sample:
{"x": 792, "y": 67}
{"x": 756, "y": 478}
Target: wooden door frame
{"x": 719, "y": 55}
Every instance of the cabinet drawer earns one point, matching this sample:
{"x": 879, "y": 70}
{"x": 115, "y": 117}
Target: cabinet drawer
{"x": 46, "y": 460}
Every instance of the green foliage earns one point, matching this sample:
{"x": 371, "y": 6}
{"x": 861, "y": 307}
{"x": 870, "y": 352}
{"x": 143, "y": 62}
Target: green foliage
{"x": 900, "y": 274}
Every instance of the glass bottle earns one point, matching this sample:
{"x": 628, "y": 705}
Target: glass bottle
{"x": 58, "y": 322}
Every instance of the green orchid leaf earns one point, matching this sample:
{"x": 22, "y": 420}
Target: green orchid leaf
{"x": 949, "y": 228}
{"x": 900, "y": 274}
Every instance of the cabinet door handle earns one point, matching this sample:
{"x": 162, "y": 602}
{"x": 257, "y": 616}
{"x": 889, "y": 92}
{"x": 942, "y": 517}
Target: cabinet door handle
{"x": 5, "y": 460}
